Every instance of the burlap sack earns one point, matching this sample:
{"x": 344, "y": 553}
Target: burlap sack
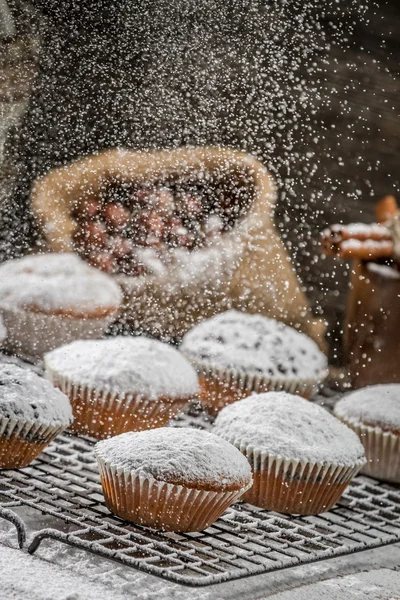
{"x": 246, "y": 268}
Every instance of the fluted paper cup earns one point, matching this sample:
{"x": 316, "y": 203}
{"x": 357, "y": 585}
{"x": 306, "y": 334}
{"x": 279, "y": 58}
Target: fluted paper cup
{"x": 382, "y": 449}
{"x": 102, "y": 414}
{"x": 22, "y": 441}
{"x": 220, "y": 387}
{"x": 32, "y": 334}
{"x": 293, "y": 486}
{"x": 160, "y": 505}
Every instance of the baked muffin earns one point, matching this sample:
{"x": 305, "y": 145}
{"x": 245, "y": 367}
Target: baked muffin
{"x": 237, "y": 354}
{"x": 174, "y": 479}
{"x": 50, "y": 299}
{"x": 373, "y": 413}
{"x": 121, "y": 384}
{"x": 32, "y": 413}
{"x": 301, "y": 456}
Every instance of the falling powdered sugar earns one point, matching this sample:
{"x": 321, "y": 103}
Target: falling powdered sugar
{"x": 24, "y": 395}
{"x": 125, "y": 364}
{"x": 374, "y": 405}
{"x": 289, "y": 427}
{"x": 56, "y": 283}
{"x": 180, "y": 456}
{"x": 256, "y": 345}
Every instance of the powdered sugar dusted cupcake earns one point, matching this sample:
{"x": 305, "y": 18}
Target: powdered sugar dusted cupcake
{"x": 175, "y": 479}
{"x": 121, "y": 384}
{"x": 237, "y": 353}
{"x": 32, "y": 413}
{"x": 50, "y": 299}
{"x": 373, "y": 413}
{"x": 301, "y": 456}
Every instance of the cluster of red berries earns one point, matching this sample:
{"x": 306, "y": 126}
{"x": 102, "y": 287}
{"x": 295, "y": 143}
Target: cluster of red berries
{"x": 110, "y": 232}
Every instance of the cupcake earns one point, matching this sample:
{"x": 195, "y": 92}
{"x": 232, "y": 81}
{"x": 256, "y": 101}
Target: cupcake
{"x": 121, "y": 384}
{"x": 50, "y": 299}
{"x": 174, "y": 479}
{"x": 373, "y": 413}
{"x": 32, "y": 413}
{"x": 237, "y": 354}
{"x": 301, "y": 456}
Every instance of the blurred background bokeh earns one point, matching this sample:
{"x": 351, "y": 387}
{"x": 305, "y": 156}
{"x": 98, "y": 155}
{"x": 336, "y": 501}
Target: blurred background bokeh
{"x": 310, "y": 89}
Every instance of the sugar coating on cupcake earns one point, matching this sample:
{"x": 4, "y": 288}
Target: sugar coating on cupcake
{"x": 57, "y": 284}
{"x": 284, "y": 425}
{"x": 256, "y": 345}
{"x": 26, "y": 396}
{"x": 136, "y": 365}
{"x": 374, "y": 405}
{"x": 180, "y": 456}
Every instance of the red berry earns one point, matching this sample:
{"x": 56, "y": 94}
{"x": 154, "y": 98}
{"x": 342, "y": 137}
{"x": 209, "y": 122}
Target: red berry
{"x": 190, "y": 206}
{"x": 148, "y": 228}
{"x": 91, "y": 209}
{"x": 91, "y": 235}
{"x": 142, "y": 198}
{"x": 119, "y": 247}
{"x": 103, "y": 261}
{"x": 116, "y": 216}
{"x": 163, "y": 202}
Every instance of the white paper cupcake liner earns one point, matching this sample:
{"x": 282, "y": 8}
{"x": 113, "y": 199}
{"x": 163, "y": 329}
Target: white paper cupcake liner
{"x": 103, "y": 414}
{"x": 224, "y": 386}
{"x": 146, "y": 501}
{"x": 32, "y": 334}
{"x": 22, "y": 441}
{"x": 382, "y": 449}
{"x": 293, "y": 486}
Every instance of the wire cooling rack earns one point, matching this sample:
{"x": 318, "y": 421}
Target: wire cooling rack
{"x": 64, "y": 484}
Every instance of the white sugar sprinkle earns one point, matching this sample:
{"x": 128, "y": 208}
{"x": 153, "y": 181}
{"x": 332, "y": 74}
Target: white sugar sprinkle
{"x": 288, "y": 426}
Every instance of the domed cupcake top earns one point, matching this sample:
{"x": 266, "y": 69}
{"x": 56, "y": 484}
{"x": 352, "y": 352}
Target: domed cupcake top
{"x": 290, "y": 427}
{"x": 254, "y": 344}
{"x": 57, "y": 284}
{"x": 125, "y": 364}
{"x": 181, "y": 456}
{"x": 374, "y": 405}
{"x": 26, "y": 396}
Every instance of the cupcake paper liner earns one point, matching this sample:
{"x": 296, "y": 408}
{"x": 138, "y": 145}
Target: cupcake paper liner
{"x": 293, "y": 486}
{"x": 22, "y": 441}
{"x": 102, "y": 414}
{"x": 220, "y": 387}
{"x": 382, "y": 449}
{"x": 32, "y": 334}
{"x": 160, "y": 505}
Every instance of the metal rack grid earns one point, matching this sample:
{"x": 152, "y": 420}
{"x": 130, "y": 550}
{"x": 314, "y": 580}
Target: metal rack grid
{"x": 64, "y": 484}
